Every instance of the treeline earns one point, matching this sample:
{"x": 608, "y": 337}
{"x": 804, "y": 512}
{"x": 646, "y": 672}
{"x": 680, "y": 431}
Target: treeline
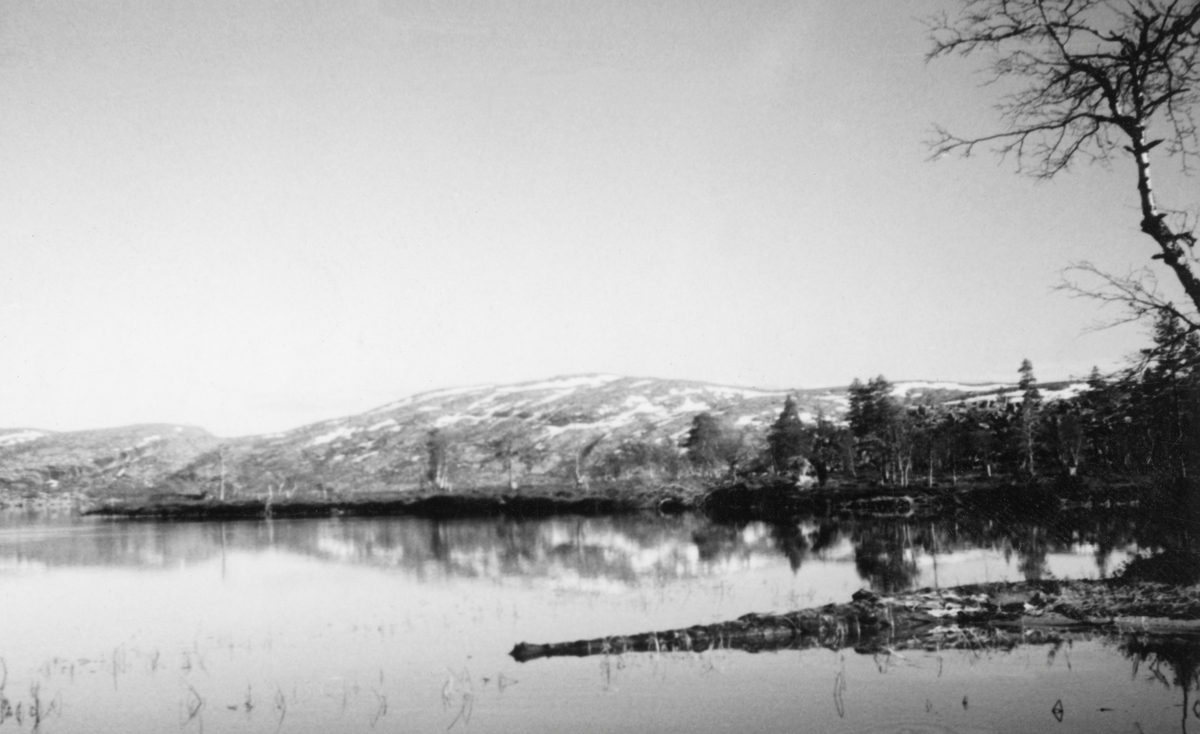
{"x": 1141, "y": 422}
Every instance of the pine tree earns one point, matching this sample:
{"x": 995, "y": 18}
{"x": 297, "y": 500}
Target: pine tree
{"x": 788, "y": 440}
{"x": 828, "y": 449}
{"x": 1101, "y": 419}
{"x": 871, "y": 407}
{"x": 1029, "y": 415}
{"x": 877, "y": 422}
{"x": 1167, "y": 395}
{"x": 703, "y": 442}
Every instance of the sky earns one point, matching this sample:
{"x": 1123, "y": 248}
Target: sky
{"x": 250, "y": 215}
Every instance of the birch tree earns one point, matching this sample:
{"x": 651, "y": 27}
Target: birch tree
{"x": 1093, "y": 80}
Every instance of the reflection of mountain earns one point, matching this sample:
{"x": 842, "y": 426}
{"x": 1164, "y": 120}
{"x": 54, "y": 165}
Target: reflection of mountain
{"x": 624, "y": 549}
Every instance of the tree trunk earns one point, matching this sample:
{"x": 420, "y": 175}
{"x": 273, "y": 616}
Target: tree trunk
{"x": 1154, "y": 221}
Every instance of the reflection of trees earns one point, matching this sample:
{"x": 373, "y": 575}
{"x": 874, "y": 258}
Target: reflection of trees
{"x": 1175, "y": 557}
{"x": 1031, "y": 544}
{"x": 621, "y": 548}
{"x": 883, "y": 556}
{"x": 826, "y": 536}
{"x": 886, "y": 549}
{"x": 790, "y": 540}
{"x": 1181, "y": 656}
{"x": 715, "y": 540}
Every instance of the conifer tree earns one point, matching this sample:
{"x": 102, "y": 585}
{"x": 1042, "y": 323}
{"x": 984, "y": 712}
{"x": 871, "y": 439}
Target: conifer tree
{"x": 703, "y": 442}
{"x": 1029, "y": 415}
{"x": 1102, "y": 423}
{"x": 871, "y": 407}
{"x": 876, "y": 421}
{"x": 1167, "y": 394}
{"x": 788, "y": 439}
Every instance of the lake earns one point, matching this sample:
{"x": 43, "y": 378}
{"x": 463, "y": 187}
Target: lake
{"x": 405, "y": 624}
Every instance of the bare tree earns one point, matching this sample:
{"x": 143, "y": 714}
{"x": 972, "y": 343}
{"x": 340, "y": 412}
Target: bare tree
{"x": 513, "y": 442}
{"x": 439, "y": 448}
{"x": 579, "y": 467}
{"x": 1093, "y": 78}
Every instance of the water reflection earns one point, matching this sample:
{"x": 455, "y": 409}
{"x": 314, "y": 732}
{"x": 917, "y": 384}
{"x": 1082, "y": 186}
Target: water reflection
{"x": 1172, "y": 661}
{"x": 356, "y": 624}
{"x": 887, "y": 554}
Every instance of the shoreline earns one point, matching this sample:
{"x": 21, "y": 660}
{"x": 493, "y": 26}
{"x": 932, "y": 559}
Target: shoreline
{"x": 771, "y": 500}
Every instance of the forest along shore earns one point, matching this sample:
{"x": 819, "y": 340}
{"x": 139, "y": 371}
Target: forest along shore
{"x": 977, "y": 617}
{"x": 1168, "y": 515}
{"x": 768, "y": 500}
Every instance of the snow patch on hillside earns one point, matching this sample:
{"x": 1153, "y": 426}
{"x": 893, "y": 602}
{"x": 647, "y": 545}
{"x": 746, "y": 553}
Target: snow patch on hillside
{"x": 636, "y": 405}
{"x": 742, "y": 392}
{"x": 691, "y": 406}
{"x": 1072, "y": 390}
{"x": 1066, "y": 393}
{"x": 900, "y": 389}
{"x": 381, "y": 425}
{"x": 559, "y": 383}
{"x": 335, "y": 434}
{"x": 391, "y": 406}
{"x": 13, "y": 439}
{"x": 450, "y": 392}
{"x": 449, "y": 420}
{"x": 553, "y": 397}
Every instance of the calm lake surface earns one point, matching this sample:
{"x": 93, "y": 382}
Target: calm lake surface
{"x": 405, "y": 625}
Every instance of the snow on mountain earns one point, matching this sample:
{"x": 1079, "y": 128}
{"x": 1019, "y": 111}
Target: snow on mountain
{"x": 542, "y": 425}
{"x": 914, "y": 388}
{"x": 546, "y": 421}
{"x": 130, "y": 458}
{"x": 12, "y": 438}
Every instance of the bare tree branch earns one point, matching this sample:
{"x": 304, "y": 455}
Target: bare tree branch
{"x": 1137, "y": 293}
{"x": 1090, "y": 73}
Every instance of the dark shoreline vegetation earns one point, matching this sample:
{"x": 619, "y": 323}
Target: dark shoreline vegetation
{"x": 763, "y": 498}
{"x": 1160, "y": 520}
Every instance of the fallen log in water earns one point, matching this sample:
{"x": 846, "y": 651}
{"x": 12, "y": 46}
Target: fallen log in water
{"x": 993, "y": 616}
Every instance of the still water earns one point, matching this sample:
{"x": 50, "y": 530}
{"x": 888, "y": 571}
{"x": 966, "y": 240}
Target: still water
{"x": 405, "y": 625}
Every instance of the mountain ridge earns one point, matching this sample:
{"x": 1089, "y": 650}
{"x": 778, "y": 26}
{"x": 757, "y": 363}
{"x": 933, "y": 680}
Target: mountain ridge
{"x": 530, "y": 433}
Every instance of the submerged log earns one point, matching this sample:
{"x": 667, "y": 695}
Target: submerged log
{"x": 993, "y": 616}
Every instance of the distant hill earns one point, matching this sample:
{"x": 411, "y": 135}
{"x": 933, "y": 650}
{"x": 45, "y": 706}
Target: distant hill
{"x": 541, "y": 425}
{"x": 113, "y": 460}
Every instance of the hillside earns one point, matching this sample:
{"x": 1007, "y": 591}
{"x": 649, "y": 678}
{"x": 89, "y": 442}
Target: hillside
{"x": 535, "y": 430}
{"x": 126, "y": 460}
{"x": 541, "y": 425}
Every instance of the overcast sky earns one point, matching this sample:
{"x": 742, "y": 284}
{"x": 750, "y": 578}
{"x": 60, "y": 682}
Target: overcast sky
{"x": 253, "y": 215}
